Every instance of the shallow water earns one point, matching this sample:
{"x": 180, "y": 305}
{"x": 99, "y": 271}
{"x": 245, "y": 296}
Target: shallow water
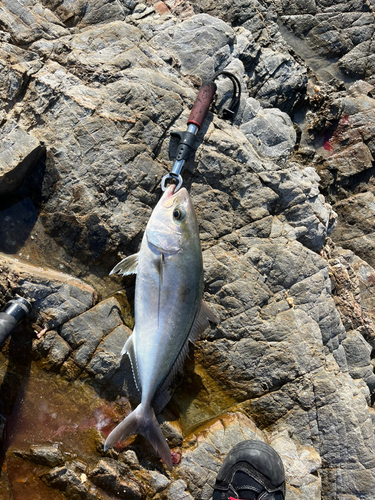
{"x": 48, "y": 410}
{"x": 323, "y": 67}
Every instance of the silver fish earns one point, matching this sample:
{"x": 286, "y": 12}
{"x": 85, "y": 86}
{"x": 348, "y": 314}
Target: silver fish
{"x": 168, "y": 311}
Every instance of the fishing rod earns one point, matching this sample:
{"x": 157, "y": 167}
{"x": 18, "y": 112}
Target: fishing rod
{"x": 197, "y": 116}
{"x": 15, "y": 310}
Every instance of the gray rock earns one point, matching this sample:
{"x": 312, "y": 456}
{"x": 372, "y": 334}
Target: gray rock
{"x": 202, "y": 44}
{"x": 341, "y": 30}
{"x": 107, "y": 357}
{"x": 103, "y": 99}
{"x": 269, "y": 131}
{"x": 19, "y": 152}
{"x": 115, "y": 478}
{"x": 178, "y": 491}
{"x": 51, "y": 350}
{"x": 46, "y": 455}
{"x": 201, "y": 464}
{"x": 70, "y": 483}
{"x": 355, "y": 230}
{"x": 29, "y": 21}
{"x": 130, "y": 458}
{"x": 55, "y": 297}
{"x": 16, "y": 67}
{"x": 277, "y": 80}
{"x": 357, "y": 352}
{"x": 50, "y": 456}
{"x": 352, "y": 290}
{"x": 100, "y": 321}
{"x": 158, "y": 481}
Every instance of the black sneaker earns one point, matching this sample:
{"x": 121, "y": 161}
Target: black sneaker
{"x": 252, "y": 470}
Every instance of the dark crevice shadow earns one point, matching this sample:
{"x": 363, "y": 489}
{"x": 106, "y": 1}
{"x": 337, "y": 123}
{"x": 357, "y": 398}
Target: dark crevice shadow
{"x": 19, "y": 210}
{"x": 14, "y": 384}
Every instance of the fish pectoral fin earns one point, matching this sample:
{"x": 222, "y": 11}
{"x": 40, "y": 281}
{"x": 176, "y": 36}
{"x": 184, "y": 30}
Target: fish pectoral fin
{"x": 129, "y": 350}
{"x": 201, "y": 322}
{"x": 127, "y": 345}
{"x": 126, "y": 266}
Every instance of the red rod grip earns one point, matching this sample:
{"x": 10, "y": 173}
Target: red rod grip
{"x": 202, "y": 103}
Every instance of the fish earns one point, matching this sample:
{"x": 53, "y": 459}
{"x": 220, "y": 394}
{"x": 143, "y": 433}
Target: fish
{"x": 168, "y": 312}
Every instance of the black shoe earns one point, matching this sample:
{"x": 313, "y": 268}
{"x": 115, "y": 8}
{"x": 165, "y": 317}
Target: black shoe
{"x": 251, "y": 470}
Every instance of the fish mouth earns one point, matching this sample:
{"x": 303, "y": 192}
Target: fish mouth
{"x": 170, "y": 194}
{"x": 163, "y": 250}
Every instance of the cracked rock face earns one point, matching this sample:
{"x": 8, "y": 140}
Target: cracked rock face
{"x": 89, "y": 93}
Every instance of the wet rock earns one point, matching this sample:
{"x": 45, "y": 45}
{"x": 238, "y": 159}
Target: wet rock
{"x": 100, "y": 321}
{"x": 55, "y": 297}
{"x": 107, "y": 357}
{"x": 129, "y": 458}
{"x": 71, "y": 484}
{"x": 172, "y": 431}
{"x": 50, "y": 456}
{"x": 276, "y": 79}
{"x": 158, "y": 481}
{"x": 116, "y": 479}
{"x": 51, "y": 351}
{"x": 341, "y": 30}
{"x": 19, "y": 152}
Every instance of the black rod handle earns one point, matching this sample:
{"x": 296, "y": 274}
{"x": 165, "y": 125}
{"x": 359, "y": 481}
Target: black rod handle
{"x": 15, "y": 310}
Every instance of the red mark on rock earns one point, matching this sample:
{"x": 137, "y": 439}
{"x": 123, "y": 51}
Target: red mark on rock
{"x": 326, "y": 144}
{"x": 176, "y": 457}
{"x": 65, "y": 428}
{"x": 344, "y": 119}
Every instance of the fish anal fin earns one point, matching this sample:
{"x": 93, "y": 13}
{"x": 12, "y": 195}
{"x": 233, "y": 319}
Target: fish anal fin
{"x": 161, "y": 400}
{"x": 162, "y": 396}
{"x": 202, "y": 321}
{"x": 129, "y": 350}
{"x": 127, "y": 266}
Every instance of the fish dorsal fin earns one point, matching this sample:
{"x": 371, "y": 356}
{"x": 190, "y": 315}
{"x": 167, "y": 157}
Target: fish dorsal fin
{"x": 129, "y": 350}
{"x": 201, "y": 322}
{"x": 127, "y": 266}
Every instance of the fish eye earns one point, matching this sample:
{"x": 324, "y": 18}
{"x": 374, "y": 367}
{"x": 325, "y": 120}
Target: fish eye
{"x": 178, "y": 214}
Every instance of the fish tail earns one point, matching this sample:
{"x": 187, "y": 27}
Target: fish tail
{"x": 142, "y": 421}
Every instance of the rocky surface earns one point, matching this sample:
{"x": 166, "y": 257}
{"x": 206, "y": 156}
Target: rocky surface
{"x": 284, "y": 195}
